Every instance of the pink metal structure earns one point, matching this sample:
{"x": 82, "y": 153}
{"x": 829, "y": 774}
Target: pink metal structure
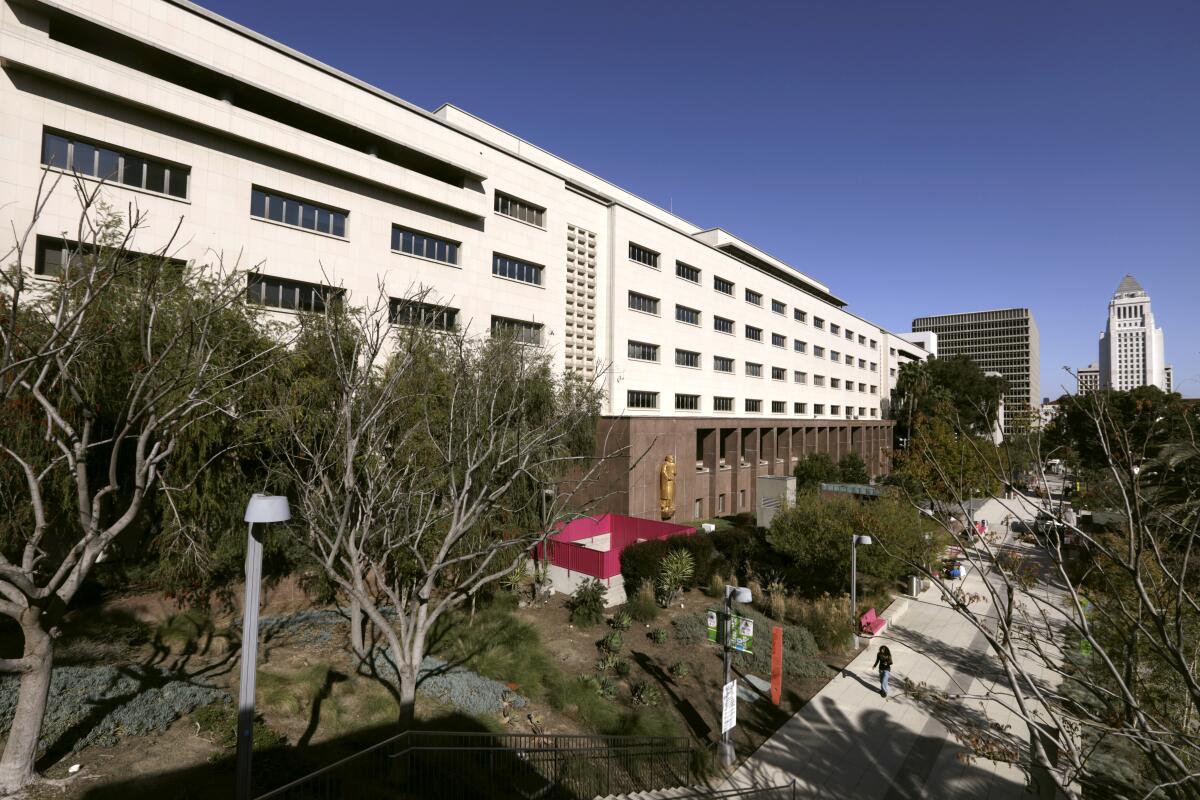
{"x": 565, "y": 550}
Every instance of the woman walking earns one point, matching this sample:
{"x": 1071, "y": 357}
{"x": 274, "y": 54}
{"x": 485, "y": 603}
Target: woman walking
{"x": 883, "y": 660}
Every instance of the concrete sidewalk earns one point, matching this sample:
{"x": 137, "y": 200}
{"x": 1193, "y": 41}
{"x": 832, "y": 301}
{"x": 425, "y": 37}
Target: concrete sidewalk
{"x": 848, "y": 742}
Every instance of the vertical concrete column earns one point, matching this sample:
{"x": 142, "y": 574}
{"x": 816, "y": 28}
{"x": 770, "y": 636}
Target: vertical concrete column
{"x": 753, "y": 447}
{"x": 769, "y": 448}
{"x": 733, "y": 459}
{"x": 711, "y": 450}
{"x": 870, "y": 449}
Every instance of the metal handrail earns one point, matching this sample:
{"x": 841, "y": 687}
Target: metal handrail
{"x": 623, "y": 760}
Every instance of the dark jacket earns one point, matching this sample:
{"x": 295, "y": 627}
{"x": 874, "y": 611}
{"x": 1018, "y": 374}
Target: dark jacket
{"x": 883, "y": 661}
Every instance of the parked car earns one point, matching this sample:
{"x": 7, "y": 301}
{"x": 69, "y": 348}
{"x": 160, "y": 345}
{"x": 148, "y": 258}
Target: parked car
{"x": 1046, "y": 523}
{"x": 1021, "y": 526}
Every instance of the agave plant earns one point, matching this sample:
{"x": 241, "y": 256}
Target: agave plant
{"x": 674, "y": 574}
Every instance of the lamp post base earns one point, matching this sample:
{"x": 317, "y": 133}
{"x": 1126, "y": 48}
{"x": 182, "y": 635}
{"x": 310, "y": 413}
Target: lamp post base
{"x": 726, "y": 754}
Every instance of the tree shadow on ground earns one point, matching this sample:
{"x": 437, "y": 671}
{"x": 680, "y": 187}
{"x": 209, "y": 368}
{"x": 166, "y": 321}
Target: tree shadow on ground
{"x": 973, "y": 664}
{"x": 697, "y": 726}
{"x": 390, "y": 771}
{"x": 969, "y": 725}
{"x": 831, "y": 755}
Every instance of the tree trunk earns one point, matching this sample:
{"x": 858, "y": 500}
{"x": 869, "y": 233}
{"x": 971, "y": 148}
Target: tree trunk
{"x": 20, "y": 752}
{"x": 356, "y": 629}
{"x": 408, "y": 696}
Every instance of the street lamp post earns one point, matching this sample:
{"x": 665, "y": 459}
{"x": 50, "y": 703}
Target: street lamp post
{"x": 741, "y": 595}
{"x": 855, "y": 540}
{"x": 261, "y": 508}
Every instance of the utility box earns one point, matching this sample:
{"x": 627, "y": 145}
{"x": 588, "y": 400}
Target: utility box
{"x": 774, "y": 491}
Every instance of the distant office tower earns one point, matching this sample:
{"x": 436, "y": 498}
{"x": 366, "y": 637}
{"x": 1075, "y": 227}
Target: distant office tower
{"x": 1003, "y": 341}
{"x": 1131, "y": 348}
{"x": 1088, "y": 378}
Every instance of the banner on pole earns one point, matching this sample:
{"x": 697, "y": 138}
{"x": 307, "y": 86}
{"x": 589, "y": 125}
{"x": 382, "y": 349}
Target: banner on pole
{"x": 729, "y": 706}
{"x": 741, "y": 631}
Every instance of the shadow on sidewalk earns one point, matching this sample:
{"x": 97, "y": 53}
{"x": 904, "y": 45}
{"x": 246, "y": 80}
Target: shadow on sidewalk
{"x": 832, "y": 756}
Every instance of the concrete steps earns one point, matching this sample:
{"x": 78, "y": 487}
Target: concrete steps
{"x": 783, "y": 792}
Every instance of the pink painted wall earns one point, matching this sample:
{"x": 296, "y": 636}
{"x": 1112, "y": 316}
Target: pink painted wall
{"x": 563, "y": 552}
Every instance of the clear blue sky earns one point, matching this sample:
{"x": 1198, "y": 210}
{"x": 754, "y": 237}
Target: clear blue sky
{"x": 918, "y": 157}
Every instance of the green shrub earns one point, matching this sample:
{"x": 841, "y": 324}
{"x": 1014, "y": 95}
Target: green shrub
{"x": 587, "y": 603}
{"x": 622, "y": 667}
{"x": 658, "y": 636}
{"x": 611, "y": 643}
{"x": 606, "y": 687}
{"x": 621, "y": 621}
{"x": 777, "y": 598}
{"x": 645, "y": 694}
{"x": 218, "y": 722}
{"x": 186, "y": 632}
{"x": 644, "y": 606}
{"x": 801, "y": 656}
{"x": 581, "y": 700}
{"x": 738, "y": 551}
{"x": 675, "y": 574}
{"x": 813, "y": 470}
{"x": 496, "y": 645}
{"x": 603, "y": 685}
{"x": 826, "y": 617}
{"x": 606, "y": 662}
{"x": 641, "y": 563}
{"x": 680, "y": 669}
{"x": 704, "y": 556}
{"x": 690, "y": 629}
{"x": 852, "y": 469}
{"x": 98, "y": 705}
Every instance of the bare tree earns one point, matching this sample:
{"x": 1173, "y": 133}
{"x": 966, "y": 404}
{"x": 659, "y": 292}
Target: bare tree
{"x": 1093, "y": 626}
{"x": 425, "y": 463}
{"x": 103, "y": 369}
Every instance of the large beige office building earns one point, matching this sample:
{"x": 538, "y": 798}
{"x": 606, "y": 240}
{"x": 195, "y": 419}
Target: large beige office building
{"x": 1004, "y": 341}
{"x": 712, "y": 351}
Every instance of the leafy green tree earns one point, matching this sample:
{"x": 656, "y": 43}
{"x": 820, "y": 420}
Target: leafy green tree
{"x": 947, "y": 464}
{"x": 1130, "y": 426}
{"x": 117, "y": 380}
{"x": 815, "y": 469}
{"x": 814, "y": 534}
{"x": 923, "y": 388}
{"x": 421, "y": 461}
{"x": 852, "y": 469}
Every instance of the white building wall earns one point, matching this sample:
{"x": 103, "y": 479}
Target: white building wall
{"x": 48, "y": 84}
{"x": 1131, "y": 347}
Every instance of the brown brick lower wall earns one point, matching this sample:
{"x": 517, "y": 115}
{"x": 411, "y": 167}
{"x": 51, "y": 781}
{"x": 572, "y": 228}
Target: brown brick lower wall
{"x": 717, "y": 460}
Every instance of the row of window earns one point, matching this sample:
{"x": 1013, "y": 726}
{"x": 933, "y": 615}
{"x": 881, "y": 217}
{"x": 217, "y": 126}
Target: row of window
{"x": 691, "y": 316}
{"x": 277, "y": 207}
{"x": 650, "y": 258}
{"x": 639, "y": 399}
{"x": 646, "y": 351}
{"x": 293, "y": 295}
{"x": 67, "y": 152}
{"x": 71, "y": 153}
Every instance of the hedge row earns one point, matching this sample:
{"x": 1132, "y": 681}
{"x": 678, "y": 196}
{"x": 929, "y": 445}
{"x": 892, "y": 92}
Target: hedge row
{"x": 723, "y": 552}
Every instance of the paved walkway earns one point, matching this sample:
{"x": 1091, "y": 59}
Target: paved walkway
{"x": 848, "y": 742}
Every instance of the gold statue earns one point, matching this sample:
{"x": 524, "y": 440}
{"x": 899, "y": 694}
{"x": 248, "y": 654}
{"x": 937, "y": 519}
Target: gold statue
{"x": 666, "y": 488}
